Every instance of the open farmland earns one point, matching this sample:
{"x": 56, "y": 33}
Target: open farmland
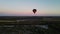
{"x": 30, "y": 24}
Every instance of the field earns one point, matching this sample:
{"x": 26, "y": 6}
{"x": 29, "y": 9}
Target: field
{"x": 30, "y": 24}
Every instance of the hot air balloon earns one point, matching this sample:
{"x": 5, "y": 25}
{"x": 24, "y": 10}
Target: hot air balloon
{"x": 34, "y": 11}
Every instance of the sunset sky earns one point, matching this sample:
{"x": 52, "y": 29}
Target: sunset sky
{"x": 25, "y": 7}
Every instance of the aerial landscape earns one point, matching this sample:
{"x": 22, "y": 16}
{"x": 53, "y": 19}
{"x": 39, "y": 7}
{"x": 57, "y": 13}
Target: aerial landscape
{"x": 29, "y": 16}
{"x": 24, "y": 24}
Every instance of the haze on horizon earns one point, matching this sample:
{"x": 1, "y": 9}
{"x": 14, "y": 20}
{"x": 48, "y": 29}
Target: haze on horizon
{"x": 25, "y": 7}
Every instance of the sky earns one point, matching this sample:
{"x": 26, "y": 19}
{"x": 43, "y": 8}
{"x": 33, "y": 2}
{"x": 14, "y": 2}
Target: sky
{"x": 25, "y": 7}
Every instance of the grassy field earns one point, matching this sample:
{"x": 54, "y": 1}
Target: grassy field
{"x": 27, "y": 25}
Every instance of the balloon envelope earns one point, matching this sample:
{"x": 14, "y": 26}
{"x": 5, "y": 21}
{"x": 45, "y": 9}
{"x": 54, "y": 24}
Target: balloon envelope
{"x": 34, "y": 11}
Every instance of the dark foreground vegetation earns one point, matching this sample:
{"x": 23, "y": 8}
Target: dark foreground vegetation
{"x": 29, "y": 25}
